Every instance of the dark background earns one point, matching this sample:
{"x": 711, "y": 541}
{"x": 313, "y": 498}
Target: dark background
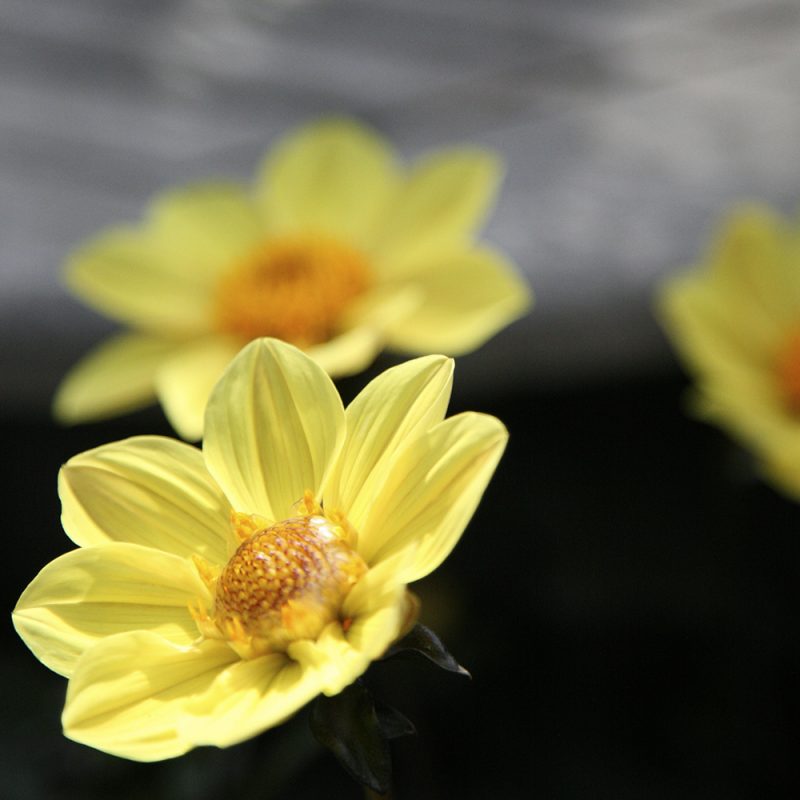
{"x": 626, "y": 595}
{"x": 625, "y": 598}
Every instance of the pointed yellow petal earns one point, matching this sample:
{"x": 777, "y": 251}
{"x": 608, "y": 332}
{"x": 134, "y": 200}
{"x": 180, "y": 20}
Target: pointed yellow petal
{"x": 184, "y": 382}
{"x": 333, "y": 176}
{"x": 396, "y": 407}
{"x": 205, "y": 227}
{"x": 441, "y": 203}
{"x": 125, "y": 275}
{"x": 147, "y": 490}
{"x": 113, "y": 378}
{"x": 467, "y": 298}
{"x": 91, "y": 593}
{"x": 127, "y": 694}
{"x": 432, "y": 491}
{"x": 248, "y": 697}
{"x": 274, "y": 425}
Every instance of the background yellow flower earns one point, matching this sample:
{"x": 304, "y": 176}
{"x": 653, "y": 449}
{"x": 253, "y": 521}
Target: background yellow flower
{"x": 735, "y": 320}
{"x": 215, "y": 592}
{"x": 335, "y": 249}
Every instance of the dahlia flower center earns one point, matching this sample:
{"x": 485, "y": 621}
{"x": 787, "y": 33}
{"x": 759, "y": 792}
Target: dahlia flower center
{"x": 787, "y": 370}
{"x": 285, "y": 582}
{"x": 294, "y": 288}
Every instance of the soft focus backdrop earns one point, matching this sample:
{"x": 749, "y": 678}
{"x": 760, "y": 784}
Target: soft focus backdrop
{"x": 626, "y": 596}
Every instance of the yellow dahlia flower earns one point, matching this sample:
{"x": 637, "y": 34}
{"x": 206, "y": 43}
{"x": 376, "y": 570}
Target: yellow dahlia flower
{"x": 335, "y": 250}
{"x": 215, "y": 592}
{"x": 735, "y": 319}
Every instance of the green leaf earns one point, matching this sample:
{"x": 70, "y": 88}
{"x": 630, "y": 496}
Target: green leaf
{"x": 350, "y": 727}
{"x": 424, "y": 641}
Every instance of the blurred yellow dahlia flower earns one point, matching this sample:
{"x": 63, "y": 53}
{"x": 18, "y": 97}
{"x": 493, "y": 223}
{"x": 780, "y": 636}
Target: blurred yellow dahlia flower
{"x": 735, "y": 320}
{"x": 335, "y": 250}
{"x": 215, "y": 592}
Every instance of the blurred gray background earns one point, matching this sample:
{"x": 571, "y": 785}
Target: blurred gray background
{"x": 627, "y": 126}
{"x": 634, "y": 636}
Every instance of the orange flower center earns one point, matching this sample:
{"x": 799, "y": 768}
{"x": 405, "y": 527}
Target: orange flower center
{"x": 787, "y": 370}
{"x": 285, "y": 582}
{"x": 294, "y": 288}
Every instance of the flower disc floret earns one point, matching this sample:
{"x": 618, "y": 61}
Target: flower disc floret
{"x": 285, "y": 583}
{"x": 294, "y": 288}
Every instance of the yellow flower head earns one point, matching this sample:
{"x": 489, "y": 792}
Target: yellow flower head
{"x": 335, "y": 250}
{"x": 736, "y": 322}
{"x": 215, "y": 592}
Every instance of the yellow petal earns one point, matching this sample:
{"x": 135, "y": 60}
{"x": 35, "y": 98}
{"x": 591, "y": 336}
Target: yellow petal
{"x": 753, "y": 263}
{"x": 91, "y": 593}
{"x": 780, "y": 459}
{"x": 147, "y": 490}
{"x": 349, "y": 352}
{"x": 128, "y": 693}
{"x": 382, "y": 306}
{"x": 274, "y": 425}
{"x": 377, "y": 604}
{"x": 365, "y": 324}
{"x": 381, "y": 586}
{"x": 203, "y": 228}
{"x": 126, "y": 276}
{"x": 711, "y": 338}
{"x": 376, "y": 609}
{"x": 432, "y": 491}
{"x": 330, "y": 657}
{"x": 396, "y": 407}
{"x": 115, "y": 377}
{"x": 333, "y": 176}
{"x": 184, "y": 382}
{"x": 466, "y": 298}
{"x": 440, "y": 204}
{"x": 248, "y": 697}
